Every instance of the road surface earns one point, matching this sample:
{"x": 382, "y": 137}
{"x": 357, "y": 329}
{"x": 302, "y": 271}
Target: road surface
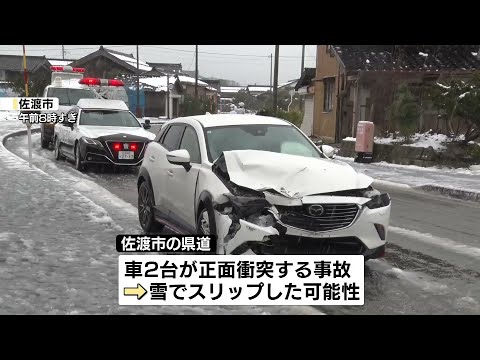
{"x": 432, "y": 264}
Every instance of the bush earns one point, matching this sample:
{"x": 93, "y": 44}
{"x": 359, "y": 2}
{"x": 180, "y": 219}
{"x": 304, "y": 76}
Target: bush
{"x": 405, "y": 111}
{"x": 192, "y": 106}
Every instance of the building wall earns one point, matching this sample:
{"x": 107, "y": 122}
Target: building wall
{"x": 324, "y": 122}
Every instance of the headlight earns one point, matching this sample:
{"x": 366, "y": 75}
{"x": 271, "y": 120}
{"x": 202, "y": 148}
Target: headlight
{"x": 378, "y": 201}
{"x": 91, "y": 141}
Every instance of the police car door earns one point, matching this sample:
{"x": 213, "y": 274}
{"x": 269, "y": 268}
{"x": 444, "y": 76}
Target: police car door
{"x": 73, "y": 133}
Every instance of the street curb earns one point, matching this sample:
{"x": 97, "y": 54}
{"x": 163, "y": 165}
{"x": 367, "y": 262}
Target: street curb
{"x": 17, "y": 133}
{"x": 451, "y": 192}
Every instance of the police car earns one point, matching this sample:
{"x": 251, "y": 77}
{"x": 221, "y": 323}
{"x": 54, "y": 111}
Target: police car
{"x": 69, "y": 85}
{"x": 102, "y": 132}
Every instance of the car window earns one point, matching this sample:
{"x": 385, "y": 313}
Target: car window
{"x": 172, "y": 137}
{"x": 275, "y": 138}
{"x": 109, "y": 118}
{"x": 68, "y": 96}
{"x": 190, "y": 143}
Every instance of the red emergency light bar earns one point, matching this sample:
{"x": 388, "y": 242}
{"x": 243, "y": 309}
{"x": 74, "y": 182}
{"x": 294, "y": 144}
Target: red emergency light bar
{"x": 98, "y": 81}
{"x": 67, "y": 69}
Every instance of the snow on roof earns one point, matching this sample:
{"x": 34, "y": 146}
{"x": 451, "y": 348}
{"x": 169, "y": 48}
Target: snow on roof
{"x": 160, "y": 83}
{"x": 259, "y": 88}
{"x": 59, "y": 62}
{"x": 211, "y": 88}
{"x": 132, "y": 61}
{"x": 231, "y": 89}
{"x": 443, "y": 86}
{"x": 102, "y": 104}
{"x": 188, "y": 79}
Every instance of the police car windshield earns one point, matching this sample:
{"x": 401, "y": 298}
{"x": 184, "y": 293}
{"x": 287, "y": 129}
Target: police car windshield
{"x": 108, "y": 118}
{"x": 69, "y": 96}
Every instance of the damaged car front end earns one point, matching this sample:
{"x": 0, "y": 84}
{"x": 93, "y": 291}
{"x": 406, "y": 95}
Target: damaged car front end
{"x": 280, "y": 204}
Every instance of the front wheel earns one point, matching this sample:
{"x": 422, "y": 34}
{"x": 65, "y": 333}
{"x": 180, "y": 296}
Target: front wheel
{"x": 206, "y": 221}
{"x": 78, "y": 159}
{"x": 45, "y": 143}
{"x": 57, "y": 149}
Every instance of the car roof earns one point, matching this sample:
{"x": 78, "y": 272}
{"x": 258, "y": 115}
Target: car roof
{"x": 212, "y": 120}
{"x": 102, "y": 104}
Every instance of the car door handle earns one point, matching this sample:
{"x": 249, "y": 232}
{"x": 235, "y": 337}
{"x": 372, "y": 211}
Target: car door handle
{"x": 151, "y": 158}
{"x": 170, "y": 173}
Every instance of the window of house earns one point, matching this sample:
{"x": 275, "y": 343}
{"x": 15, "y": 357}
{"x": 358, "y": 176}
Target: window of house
{"x": 329, "y": 90}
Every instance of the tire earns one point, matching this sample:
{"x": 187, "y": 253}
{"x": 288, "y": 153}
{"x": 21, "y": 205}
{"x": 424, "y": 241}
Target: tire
{"x": 45, "y": 143}
{"x": 78, "y": 162}
{"x": 145, "y": 209}
{"x": 206, "y": 224}
{"x": 57, "y": 154}
{"x": 207, "y": 213}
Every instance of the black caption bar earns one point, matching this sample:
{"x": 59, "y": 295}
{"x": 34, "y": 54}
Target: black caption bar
{"x": 206, "y": 244}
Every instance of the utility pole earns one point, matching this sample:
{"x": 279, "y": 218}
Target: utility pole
{"x": 275, "y": 81}
{"x": 138, "y": 85}
{"x": 28, "y": 123}
{"x": 196, "y": 71}
{"x": 168, "y": 96}
{"x": 63, "y": 52}
{"x": 271, "y": 63}
{"x": 301, "y": 72}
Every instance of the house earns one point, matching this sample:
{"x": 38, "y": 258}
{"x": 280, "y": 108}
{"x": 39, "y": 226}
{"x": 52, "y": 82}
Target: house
{"x": 11, "y": 74}
{"x": 159, "y": 98}
{"x": 305, "y": 87}
{"x": 107, "y": 64}
{"x": 357, "y": 82}
{"x": 167, "y": 68}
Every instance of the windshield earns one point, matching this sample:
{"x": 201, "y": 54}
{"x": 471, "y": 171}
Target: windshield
{"x": 275, "y": 138}
{"x": 113, "y": 93}
{"x": 108, "y": 118}
{"x": 69, "y": 96}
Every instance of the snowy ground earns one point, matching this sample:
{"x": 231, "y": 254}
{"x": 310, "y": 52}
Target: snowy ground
{"x": 59, "y": 261}
{"x": 416, "y": 176}
{"x": 57, "y": 242}
{"x": 437, "y": 141}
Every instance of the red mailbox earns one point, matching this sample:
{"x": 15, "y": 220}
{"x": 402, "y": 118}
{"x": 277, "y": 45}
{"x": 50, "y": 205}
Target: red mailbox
{"x": 364, "y": 141}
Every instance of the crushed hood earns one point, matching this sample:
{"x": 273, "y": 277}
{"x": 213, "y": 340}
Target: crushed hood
{"x": 101, "y": 131}
{"x": 290, "y": 175}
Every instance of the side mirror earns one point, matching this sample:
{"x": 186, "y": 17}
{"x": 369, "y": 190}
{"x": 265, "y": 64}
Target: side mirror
{"x": 328, "y": 151}
{"x": 146, "y": 124}
{"x": 179, "y": 157}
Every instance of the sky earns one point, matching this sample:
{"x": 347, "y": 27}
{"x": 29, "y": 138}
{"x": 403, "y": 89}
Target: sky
{"x": 246, "y": 64}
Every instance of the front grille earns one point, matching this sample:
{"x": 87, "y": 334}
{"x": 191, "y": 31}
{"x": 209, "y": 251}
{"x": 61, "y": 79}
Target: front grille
{"x": 334, "y": 216}
{"x": 295, "y": 245}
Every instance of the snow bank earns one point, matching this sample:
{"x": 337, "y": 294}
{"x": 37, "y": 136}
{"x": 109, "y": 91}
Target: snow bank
{"x": 436, "y": 141}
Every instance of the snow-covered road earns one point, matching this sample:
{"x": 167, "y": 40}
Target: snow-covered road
{"x": 431, "y": 266}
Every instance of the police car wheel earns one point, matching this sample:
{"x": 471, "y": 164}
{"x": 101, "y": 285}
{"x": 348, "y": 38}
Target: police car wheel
{"x": 45, "y": 143}
{"x": 58, "y": 156}
{"x": 78, "y": 162}
{"x": 145, "y": 209}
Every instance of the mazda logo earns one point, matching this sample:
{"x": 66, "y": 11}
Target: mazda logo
{"x": 315, "y": 210}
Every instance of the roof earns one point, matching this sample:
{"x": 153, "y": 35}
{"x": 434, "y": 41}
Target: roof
{"x": 258, "y": 88}
{"x": 231, "y": 89}
{"x": 290, "y": 82}
{"x": 128, "y": 61}
{"x": 408, "y": 57}
{"x": 236, "y": 119}
{"x": 59, "y": 62}
{"x": 307, "y": 76}
{"x": 15, "y": 62}
{"x": 102, "y": 104}
{"x": 166, "y": 67}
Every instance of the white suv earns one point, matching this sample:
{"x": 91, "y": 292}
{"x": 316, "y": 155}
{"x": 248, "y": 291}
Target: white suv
{"x": 261, "y": 186}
